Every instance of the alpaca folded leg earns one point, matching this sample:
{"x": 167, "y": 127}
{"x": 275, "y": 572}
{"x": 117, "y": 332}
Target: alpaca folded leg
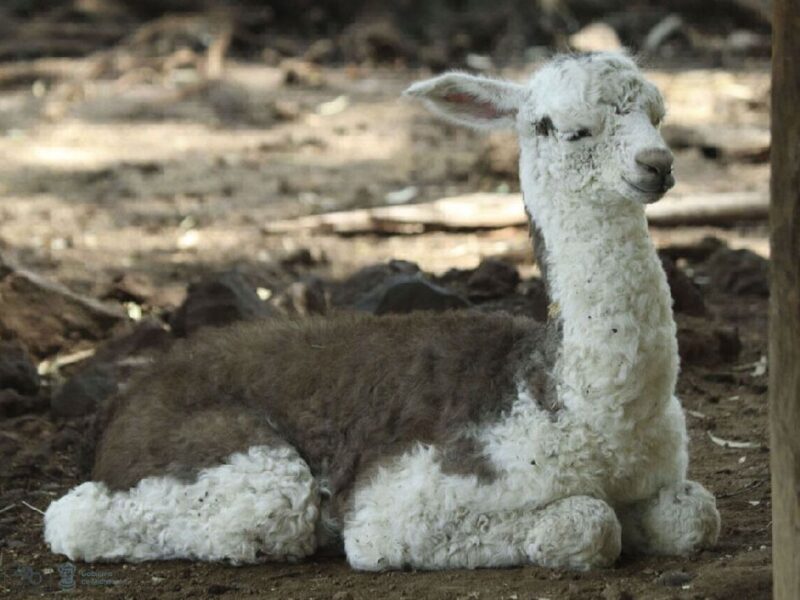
{"x": 261, "y": 504}
{"x": 578, "y": 532}
{"x": 679, "y": 520}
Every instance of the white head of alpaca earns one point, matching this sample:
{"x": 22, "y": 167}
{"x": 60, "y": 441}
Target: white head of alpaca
{"x": 587, "y": 125}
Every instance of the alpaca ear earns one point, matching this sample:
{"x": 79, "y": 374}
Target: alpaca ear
{"x": 477, "y": 102}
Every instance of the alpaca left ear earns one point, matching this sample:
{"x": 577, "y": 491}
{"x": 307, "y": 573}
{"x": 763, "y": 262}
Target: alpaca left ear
{"x": 477, "y": 102}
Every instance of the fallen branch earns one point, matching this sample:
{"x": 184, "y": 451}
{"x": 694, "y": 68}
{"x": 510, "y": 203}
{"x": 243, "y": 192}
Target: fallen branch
{"x": 496, "y": 211}
{"x": 721, "y": 208}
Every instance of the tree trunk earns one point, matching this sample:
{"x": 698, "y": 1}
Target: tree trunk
{"x": 784, "y": 333}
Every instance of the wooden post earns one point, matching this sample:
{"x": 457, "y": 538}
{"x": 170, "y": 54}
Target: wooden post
{"x": 784, "y": 329}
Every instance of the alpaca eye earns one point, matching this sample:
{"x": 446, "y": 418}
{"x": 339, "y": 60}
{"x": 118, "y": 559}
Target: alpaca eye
{"x": 577, "y": 135}
{"x": 620, "y": 111}
{"x": 544, "y": 126}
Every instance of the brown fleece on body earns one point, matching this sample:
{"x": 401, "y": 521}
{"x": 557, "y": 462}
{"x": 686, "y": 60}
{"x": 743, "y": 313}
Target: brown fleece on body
{"x": 346, "y": 392}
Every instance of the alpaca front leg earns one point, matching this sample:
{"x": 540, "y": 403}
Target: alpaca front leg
{"x": 578, "y": 532}
{"x": 679, "y": 520}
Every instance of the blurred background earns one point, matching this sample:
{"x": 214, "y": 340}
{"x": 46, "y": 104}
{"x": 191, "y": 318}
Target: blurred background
{"x": 167, "y": 165}
{"x": 163, "y": 135}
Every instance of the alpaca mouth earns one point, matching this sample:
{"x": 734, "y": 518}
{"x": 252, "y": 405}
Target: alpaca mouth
{"x": 653, "y": 193}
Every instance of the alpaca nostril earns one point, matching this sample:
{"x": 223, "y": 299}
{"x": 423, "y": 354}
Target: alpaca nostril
{"x": 649, "y": 168}
{"x": 655, "y": 161}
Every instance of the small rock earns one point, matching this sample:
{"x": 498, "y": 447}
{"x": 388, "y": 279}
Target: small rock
{"x": 218, "y": 300}
{"x": 674, "y": 578}
{"x": 596, "y": 37}
{"x": 739, "y": 272}
{"x": 13, "y": 404}
{"x": 349, "y": 292}
{"x": 17, "y": 371}
{"x": 493, "y": 278}
{"x": 85, "y": 391}
{"x": 405, "y": 294}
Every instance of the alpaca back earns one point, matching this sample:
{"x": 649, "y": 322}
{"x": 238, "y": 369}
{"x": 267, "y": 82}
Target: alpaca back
{"x": 346, "y": 392}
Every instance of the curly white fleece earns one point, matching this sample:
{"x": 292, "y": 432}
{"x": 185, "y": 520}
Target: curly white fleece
{"x": 260, "y": 505}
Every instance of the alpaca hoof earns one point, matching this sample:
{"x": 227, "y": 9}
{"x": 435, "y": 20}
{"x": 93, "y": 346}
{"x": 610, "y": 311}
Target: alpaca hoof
{"x": 680, "y": 520}
{"x": 578, "y": 533}
{"x": 73, "y": 523}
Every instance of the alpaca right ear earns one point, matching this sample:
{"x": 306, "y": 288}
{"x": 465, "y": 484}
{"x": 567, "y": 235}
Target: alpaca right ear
{"x": 477, "y": 102}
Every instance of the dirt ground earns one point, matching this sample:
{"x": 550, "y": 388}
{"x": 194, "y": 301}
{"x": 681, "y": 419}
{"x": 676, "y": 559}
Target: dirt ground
{"x": 167, "y": 178}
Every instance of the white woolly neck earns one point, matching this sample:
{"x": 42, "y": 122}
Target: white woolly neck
{"x": 619, "y": 352}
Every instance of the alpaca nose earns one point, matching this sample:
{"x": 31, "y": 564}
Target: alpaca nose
{"x": 657, "y": 163}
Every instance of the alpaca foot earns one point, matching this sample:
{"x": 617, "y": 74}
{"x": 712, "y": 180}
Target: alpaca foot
{"x": 575, "y": 533}
{"x": 680, "y": 520}
{"x": 578, "y": 532}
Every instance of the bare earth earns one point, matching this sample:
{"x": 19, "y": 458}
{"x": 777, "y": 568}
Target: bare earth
{"x": 170, "y": 180}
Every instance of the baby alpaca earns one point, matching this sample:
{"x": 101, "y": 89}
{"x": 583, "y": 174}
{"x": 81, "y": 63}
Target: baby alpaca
{"x": 437, "y": 441}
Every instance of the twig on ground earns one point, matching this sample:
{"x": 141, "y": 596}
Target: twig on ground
{"x": 750, "y": 486}
{"x": 38, "y": 510}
